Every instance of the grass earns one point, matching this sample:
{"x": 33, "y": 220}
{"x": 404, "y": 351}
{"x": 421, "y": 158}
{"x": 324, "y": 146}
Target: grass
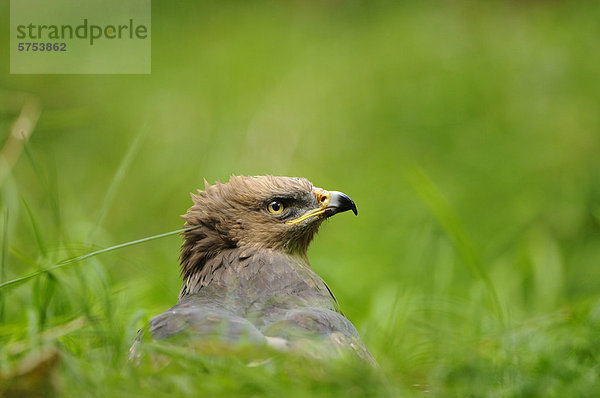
{"x": 467, "y": 134}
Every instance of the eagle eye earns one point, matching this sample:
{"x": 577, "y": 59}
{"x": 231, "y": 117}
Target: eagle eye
{"x": 275, "y": 207}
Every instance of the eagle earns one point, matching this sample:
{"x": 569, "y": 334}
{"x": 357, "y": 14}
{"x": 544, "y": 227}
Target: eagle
{"x": 246, "y": 275}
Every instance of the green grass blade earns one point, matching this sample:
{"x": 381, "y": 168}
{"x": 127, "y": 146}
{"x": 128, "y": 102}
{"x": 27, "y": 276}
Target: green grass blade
{"x": 36, "y": 231}
{"x": 3, "y": 262}
{"x": 48, "y": 184}
{"x": 77, "y": 259}
{"x": 117, "y": 179}
{"x": 448, "y": 219}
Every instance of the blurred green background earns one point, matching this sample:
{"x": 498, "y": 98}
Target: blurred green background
{"x": 468, "y": 134}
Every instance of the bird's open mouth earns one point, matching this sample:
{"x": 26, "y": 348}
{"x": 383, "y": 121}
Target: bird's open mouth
{"x": 331, "y": 202}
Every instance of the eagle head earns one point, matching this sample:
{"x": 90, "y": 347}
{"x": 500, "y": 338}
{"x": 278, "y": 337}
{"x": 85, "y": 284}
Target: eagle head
{"x": 266, "y": 212}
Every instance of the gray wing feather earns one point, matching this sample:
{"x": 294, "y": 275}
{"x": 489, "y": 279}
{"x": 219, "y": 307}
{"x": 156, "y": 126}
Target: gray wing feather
{"x": 263, "y": 297}
{"x": 202, "y": 317}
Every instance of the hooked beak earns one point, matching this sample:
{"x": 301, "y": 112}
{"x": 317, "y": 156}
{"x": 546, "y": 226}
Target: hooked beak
{"x": 330, "y": 203}
{"x": 339, "y": 203}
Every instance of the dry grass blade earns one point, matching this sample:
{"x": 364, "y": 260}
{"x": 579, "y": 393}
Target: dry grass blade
{"x": 20, "y": 132}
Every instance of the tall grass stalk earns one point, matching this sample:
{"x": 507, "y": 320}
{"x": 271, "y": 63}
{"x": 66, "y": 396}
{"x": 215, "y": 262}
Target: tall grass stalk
{"x": 3, "y": 263}
{"x": 73, "y": 260}
{"x": 450, "y": 222}
{"x": 118, "y": 177}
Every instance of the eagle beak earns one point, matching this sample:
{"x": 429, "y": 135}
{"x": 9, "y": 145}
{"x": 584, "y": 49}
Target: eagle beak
{"x": 330, "y": 203}
{"x": 340, "y": 202}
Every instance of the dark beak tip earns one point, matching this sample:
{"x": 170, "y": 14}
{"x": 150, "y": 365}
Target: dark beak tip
{"x": 342, "y": 202}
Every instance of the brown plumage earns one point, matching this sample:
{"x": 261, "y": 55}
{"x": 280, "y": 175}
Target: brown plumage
{"x": 246, "y": 276}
